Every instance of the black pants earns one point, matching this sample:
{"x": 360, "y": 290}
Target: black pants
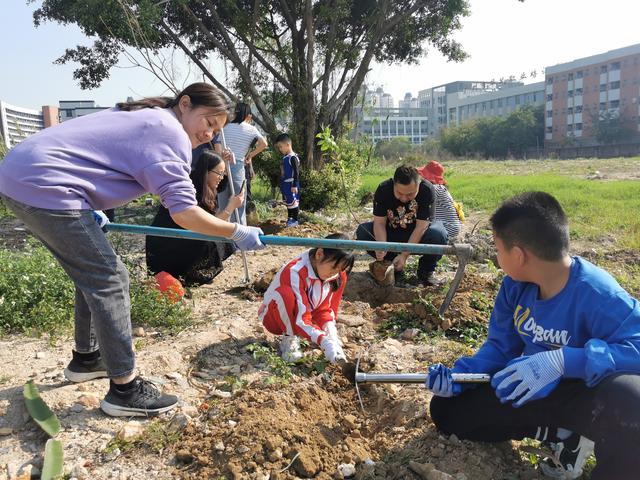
{"x": 608, "y": 414}
{"x": 436, "y": 234}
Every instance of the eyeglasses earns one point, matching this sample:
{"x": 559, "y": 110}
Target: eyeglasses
{"x": 221, "y": 175}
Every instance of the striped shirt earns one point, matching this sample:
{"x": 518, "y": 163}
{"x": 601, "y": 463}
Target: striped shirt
{"x": 238, "y": 138}
{"x": 316, "y": 303}
{"x": 446, "y": 211}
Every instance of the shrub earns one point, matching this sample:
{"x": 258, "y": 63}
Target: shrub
{"x": 36, "y": 296}
{"x": 337, "y": 182}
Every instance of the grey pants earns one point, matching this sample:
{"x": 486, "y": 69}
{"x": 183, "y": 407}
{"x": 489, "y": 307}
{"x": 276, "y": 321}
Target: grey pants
{"x": 103, "y": 306}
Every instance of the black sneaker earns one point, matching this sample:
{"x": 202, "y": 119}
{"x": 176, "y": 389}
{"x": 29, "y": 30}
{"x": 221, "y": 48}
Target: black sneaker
{"x": 569, "y": 457}
{"x": 85, "y": 366}
{"x": 143, "y": 399}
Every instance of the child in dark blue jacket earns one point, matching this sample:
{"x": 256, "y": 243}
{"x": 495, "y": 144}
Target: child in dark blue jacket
{"x": 563, "y": 350}
{"x": 289, "y": 178}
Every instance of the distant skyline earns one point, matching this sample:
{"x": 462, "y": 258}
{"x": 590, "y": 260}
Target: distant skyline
{"x": 502, "y": 37}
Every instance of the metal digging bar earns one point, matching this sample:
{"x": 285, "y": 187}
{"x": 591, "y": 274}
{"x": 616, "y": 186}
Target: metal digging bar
{"x": 362, "y": 377}
{"x": 462, "y": 251}
{"x": 232, "y": 192}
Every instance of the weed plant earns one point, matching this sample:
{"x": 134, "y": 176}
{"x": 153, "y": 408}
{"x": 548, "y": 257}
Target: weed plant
{"x": 37, "y": 297}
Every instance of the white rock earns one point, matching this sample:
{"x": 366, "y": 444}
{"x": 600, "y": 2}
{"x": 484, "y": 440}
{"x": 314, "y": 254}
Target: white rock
{"x": 138, "y": 332}
{"x": 220, "y": 393}
{"x": 232, "y": 423}
{"x": 219, "y": 446}
{"x": 40, "y": 355}
{"x": 129, "y": 431}
{"x": 346, "y": 470}
{"x": 79, "y": 471}
{"x": 4, "y": 431}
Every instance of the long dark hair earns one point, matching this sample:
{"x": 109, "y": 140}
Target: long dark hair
{"x": 201, "y": 95}
{"x": 207, "y": 161}
{"x": 243, "y": 110}
{"x": 339, "y": 257}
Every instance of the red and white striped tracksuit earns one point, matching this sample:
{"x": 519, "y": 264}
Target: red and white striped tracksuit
{"x": 298, "y": 303}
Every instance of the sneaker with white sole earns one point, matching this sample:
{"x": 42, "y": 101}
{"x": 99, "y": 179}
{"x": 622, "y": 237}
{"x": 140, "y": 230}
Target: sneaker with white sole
{"x": 85, "y": 366}
{"x": 570, "y": 457}
{"x": 290, "y": 348}
{"x": 142, "y": 399}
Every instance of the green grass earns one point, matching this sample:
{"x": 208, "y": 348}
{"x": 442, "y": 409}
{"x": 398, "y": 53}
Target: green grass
{"x": 37, "y": 297}
{"x": 597, "y": 209}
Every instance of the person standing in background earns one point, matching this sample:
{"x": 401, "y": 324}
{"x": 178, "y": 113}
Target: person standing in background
{"x": 239, "y": 135}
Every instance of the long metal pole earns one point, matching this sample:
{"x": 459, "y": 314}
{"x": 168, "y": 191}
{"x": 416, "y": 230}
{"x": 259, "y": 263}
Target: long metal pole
{"x": 232, "y": 191}
{"x": 290, "y": 241}
{"x": 362, "y": 377}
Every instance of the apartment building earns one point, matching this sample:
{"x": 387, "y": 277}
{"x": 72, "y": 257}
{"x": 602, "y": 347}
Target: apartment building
{"x": 18, "y": 123}
{"x": 580, "y": 92}
{"x": 77, "y": 108}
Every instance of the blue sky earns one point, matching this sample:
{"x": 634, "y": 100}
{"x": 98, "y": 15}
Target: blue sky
{"x": 503, "y": 37}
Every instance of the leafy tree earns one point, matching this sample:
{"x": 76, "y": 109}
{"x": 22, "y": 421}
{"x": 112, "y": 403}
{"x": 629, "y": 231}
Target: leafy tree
{"x": 609, "y": 127}
{"x": 394, "y": 148}
{"x": 496, "y": 137}
{"x": 300, "y": 59}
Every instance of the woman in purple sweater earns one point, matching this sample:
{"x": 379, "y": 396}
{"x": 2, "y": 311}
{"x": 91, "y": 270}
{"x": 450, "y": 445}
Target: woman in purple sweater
{"x": 55, "y": 179}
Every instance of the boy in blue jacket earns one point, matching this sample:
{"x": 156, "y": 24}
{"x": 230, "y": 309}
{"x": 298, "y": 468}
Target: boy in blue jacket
{"x": 289, "y": 178}
{"x": 563, "y": 350}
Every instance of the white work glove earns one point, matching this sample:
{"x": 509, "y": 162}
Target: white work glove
{"x": 100, "y": 217}
{"x": 247, "y": 238}
{"x": 529, "y": 377}
{"x": 332, "y": 350}
{"x": 332, "y": 332}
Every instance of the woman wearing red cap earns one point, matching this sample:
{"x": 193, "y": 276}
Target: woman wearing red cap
{"x": 446, "y": 211}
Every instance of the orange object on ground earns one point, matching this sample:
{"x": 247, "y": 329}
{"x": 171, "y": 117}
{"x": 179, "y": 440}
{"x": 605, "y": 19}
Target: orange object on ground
{"x": 169, "y": 286}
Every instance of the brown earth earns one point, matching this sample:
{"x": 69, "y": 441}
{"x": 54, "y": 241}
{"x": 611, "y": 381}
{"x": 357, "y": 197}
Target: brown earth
{"x": 238, "y": 417}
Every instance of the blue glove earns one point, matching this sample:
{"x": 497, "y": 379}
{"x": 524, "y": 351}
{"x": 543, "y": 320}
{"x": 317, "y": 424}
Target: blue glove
{"x": 441, "y": 383}
{"x": 100, "y": 218}
{"x": 247, "y": 238}
{"x": 530, "y": 377}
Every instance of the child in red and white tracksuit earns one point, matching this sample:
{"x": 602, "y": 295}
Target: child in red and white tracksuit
{"x": 303, "y": 301}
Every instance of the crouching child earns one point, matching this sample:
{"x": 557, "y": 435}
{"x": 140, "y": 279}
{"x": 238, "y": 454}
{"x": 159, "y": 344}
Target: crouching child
{"x": 303, "y": 300}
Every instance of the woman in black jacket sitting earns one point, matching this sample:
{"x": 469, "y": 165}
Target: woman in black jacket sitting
{"x": 195, "y": 262}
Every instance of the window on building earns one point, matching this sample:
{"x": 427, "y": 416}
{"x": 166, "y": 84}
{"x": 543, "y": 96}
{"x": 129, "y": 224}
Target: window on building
{"x": 615, "y": 66}
{"x": 614, "y": 103}
{"x": 603, "y": 106}
{"x": 549, "y": 113}
{"x": 570, "y": 76}
{"x": 492, "y": 105}
{"x": 570, "y": 94}
{"x": 603, "y": 87}
{"x": 603, "y": 69}
{"x": 578, "y": 91}
{"x": 484, "y": 106}
{"x": 578, "y": 126}
{"x": 550, "y": 80}
{"x": 570, "y": 111}
{"x": 549, "y": 130}
{"x": 614, "y": 85}
{"x": 578, "y": 109}
{"x": 579, "y": 74}
{"x": 499, "y": 103}
{"x": 570, "y": 128}
{"x": 549, "y": 97}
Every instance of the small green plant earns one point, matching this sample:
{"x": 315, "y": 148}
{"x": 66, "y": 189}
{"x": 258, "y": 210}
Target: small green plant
{"x": 480, "y": 302}
{"x": 281, "y": 370}
{"x": 233, "y": 384}
{"x": 313, "y": 364}
{"x": 472, "y": 334}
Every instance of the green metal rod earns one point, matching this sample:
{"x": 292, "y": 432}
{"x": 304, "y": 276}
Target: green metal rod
{"x": 291, "y": 241}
